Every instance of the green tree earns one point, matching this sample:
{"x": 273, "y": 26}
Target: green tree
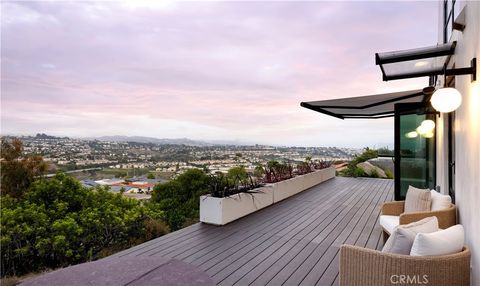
{"x": 18, "y": 171}
{"x": 180, "y": 197}
{"x": 150, "y": 176}
{"x": 352, "y": 170}
{"x": 58, "y": 222}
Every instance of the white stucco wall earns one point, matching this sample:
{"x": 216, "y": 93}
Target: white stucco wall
{"x": 467, "y": 137}
{"x": 442, "y": 153}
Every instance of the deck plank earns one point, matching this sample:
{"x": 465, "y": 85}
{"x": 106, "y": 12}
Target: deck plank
{"x": 293, "y": 219}
{"x": 270, "y": 271}
{"x": 327, "y": 238}
{"x": 293, "y": 242}
{"x": 327, "y": 277}
{"x": 328, "y": 207}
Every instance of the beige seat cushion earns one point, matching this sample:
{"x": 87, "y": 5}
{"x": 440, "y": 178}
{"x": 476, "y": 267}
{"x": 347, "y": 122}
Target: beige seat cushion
{"x": 389, "y": 222}
{"x": 417, "y": 200}
{"x": 402, "y": 237}
{"x": 439, "y": 201}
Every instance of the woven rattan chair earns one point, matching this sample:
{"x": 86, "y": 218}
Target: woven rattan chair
{"x": 446, "y": 217}
{"x": 361, "y": 266}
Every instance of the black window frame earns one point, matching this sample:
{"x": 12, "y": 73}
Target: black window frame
{"x": 448, "y": 16}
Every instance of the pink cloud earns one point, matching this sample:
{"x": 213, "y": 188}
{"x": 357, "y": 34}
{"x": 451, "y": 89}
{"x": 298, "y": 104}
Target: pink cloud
{"x": 235, "y": 69}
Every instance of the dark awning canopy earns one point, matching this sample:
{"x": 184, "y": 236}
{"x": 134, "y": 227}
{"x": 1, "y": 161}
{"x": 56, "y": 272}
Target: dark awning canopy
{"x": 370, "y": 106}
{"x": 427, "y": 61}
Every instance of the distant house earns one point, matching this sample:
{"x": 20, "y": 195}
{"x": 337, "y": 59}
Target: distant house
{"x": 118, "y": 188}
{"x": 109, "y": 182}
{"x": 88, "y": 183}
{"x": 141, "y": 187}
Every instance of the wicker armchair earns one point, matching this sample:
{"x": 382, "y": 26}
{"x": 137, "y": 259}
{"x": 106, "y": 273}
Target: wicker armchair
{"x": 446, "y": 217}
{"x": 361, "y": 266}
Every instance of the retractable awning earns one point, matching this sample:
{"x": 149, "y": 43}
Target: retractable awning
{"x": 426, "y": 61}
{"x": 370, "y": 106}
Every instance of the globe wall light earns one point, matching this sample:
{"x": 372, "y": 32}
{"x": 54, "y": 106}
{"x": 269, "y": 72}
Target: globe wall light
{"x": 446, "y": 99}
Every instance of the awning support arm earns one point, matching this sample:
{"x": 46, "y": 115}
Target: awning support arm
{"x": 472, "y": 70}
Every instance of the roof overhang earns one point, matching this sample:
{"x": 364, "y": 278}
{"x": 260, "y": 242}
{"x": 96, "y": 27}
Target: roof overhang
{"x": 370, "y": 106}
{"x": 426, "y": 61}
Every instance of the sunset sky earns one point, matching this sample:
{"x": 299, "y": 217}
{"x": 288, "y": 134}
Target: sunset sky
{"x": 202, "y": 70}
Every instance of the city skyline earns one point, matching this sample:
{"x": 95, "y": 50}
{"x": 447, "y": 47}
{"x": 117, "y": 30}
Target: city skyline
{"x": 202, "y": 70}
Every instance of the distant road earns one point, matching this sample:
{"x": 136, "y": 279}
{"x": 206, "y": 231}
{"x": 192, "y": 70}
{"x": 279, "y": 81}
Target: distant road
{"x": 75, "y": 171}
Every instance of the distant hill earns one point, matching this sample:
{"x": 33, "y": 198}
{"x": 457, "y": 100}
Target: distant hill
{"x": 172, "y": 141}
{"x": 142, "y": 139}
{"x": 45, "y": 136}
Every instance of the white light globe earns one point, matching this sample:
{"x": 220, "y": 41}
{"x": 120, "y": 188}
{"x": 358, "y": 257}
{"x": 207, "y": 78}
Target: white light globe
{"x": 446, "y": 99}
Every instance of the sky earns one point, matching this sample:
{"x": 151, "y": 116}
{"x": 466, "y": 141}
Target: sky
{"x": 232, "y": 71}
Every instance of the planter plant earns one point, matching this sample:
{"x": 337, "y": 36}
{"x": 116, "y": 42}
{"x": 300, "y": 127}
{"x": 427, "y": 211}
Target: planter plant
{"x": 236, "y": 194}
{"x": 233, "y": 197}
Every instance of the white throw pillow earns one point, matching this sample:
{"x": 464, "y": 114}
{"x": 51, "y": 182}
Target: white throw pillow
{"x": 443, "y": 242}
{"x": 417, "y": 200}
{"x": 439, "y": 201}
{"x": 402, "y": 237}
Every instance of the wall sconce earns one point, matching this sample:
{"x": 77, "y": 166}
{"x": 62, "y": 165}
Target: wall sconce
{"x": 446, "y": 99}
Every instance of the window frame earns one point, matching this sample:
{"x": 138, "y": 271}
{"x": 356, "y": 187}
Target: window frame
{"x": 448, "y": 15}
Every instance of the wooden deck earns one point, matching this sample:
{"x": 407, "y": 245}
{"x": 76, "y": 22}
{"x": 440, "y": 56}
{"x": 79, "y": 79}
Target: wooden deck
{"x": 294, "y": 242}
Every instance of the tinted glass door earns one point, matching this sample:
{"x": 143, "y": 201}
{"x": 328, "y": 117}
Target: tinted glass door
{"x": 414, "y": 148}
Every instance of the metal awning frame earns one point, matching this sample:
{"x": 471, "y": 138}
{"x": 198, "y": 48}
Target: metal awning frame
{"x": 424, "y": 54}
{"x": 321, "y": 108}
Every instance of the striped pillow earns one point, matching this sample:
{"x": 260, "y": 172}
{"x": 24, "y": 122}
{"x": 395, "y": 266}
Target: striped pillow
{"x": 417, "y": 200}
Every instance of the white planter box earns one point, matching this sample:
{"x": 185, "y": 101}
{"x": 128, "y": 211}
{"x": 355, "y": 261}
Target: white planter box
{"x": 220, "y": 211}
{"x": 293, "y": 186}
{"x": 287, "y": 188}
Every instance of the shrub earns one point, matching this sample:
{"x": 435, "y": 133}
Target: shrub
{"x": 351, "y": 170}
{"x": 155, "y": 228}
{"x": 180, "y": 198}
{"x": 358, "y": 172}
{"x": 365, "y": 156}
{"x": 150, "y": 176}
{"x": 58, "y": 222}
{"x": 389, "y": 174}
